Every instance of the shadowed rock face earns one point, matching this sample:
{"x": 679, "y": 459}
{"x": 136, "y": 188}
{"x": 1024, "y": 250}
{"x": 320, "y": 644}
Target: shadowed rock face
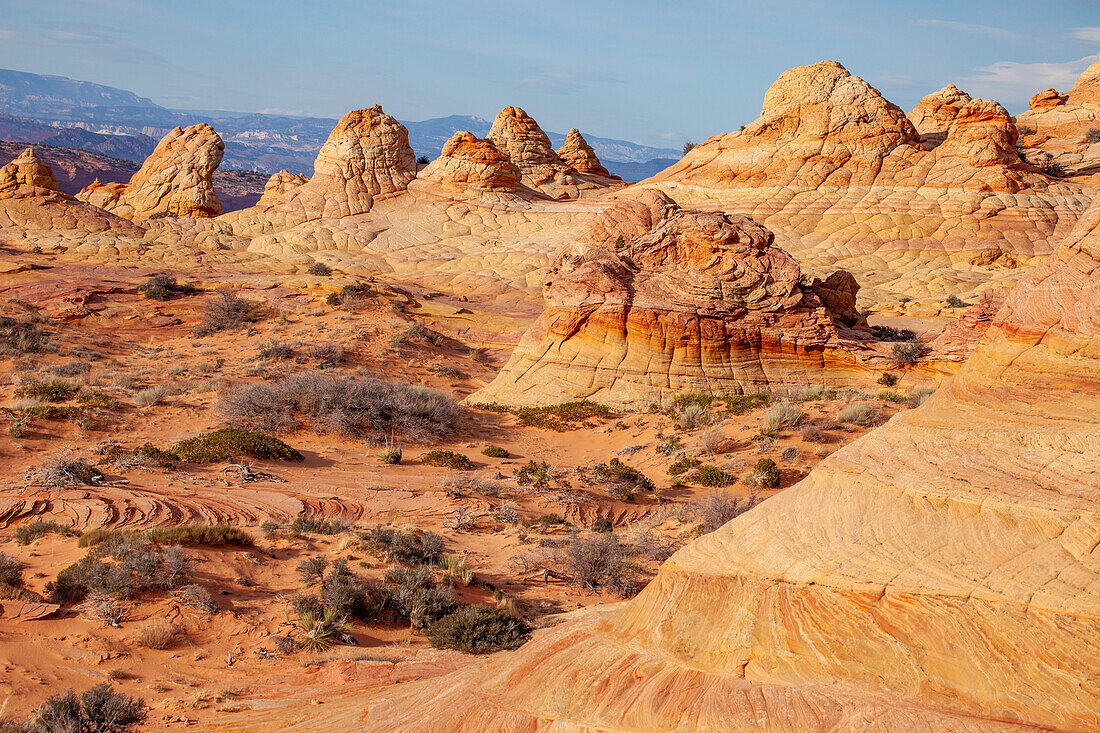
{"x": 176, "y": 179}
{"x": 844, "y": 180}
{"x": 367, "y": 155}
{"x": 469, "y": 163}
{"x": 940, "y": 573}
{"x": 703, "y": 302}
{"x": 26, "y": 175}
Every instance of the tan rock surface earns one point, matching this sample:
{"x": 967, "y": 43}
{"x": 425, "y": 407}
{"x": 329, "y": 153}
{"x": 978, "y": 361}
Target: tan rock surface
{"x": 26, "y": 176}
{"x": 1060, "y": 126}
{"x": 933, "y": 115}
{"x": 579, "y": 155}
{"x": 280, "y": 183}
{"x": 469, "y": 163}
{"x": 175, "y": 180}
{"x": 938, "y": 574}
{"x": 703, "y": 303}
{"x": 841, "y": 177}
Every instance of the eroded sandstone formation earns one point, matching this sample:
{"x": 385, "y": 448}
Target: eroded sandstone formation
{"x": 175, "y": 180}
{"x": 26, "y": 176}
{"x": 933, "y": 115}
{"x": 940, "y": 573}
{"x": 703, "y": 302}
{"x": 1064, "y": 129}
{"x": 468, "y": 163}
{"x": 845, "y": 180}
{"x": 279, "y": 184}
{"x": 579, "y": 155}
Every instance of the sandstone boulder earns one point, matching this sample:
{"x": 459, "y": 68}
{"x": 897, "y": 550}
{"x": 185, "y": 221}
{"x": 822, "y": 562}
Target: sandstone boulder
{"x": 934, "y": 114}
{"x": 703, "y": 302}
{"x": 1046, "y": 99}
{"x": 175, "y": 180}
{"x": 469, "y": 163}
{"x": 280, "y": 183}
{"x": 26, "y": 176}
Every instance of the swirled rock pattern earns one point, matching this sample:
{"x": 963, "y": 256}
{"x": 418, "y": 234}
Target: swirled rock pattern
{"x": 579, "y": 155}
{"x": 175, "y": 180}
{"x": 940, "y": 573}
{"x": 844, "y": 180}
{"x": 933, "y": 116}
{"x": 703, "y": 302}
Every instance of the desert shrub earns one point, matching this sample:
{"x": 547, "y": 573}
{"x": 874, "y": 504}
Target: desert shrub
{"x": 55, "y": 390}
{"x": 918, "y": 395}
{"x": 99, "y": 710}
{"x": 619, "y": 472}
{"x": 1053, "y": 168}
{"x": 196, "y": 597}
{"x": 790, "y": 453}
{"x": 448, "y": 459}
{"x": 598, "y": 560}
{"x": 814, "y": 434}
{"x": 907, "y": 352}
{"x": 156, "y": 634}
{"x": 414, "y": 548}
{"x": 363, "y": 407}
{"x": 712, "y": 439}
{"x": 22, "y": 336}
{"x": 954, "y": 301}
{"x": 620, "y": 242}
{"x": 1093, "y": 135}
{"x": 11, "y": 571}
{"x": 163, "y": 287}
{"x": 28, "y": 533}
{"x": 888, "y": 379}
{"x": 312, "y": 570}
{"x": 327, "y": 355}
{"x": 742, "y": 403}
{"x": 156, "y": 456}
{"x": 479, "y": 629}
{"x": 150, "y": 395}
{"x": 692, "y": 416}
{"x": 603, "y": 524}
{"x": 535, "y": 474}
{"x": 321, "y": 631}
{"x": 719, "y": 507}
{"x": 304, "y": 603}
{"x": 302, "y": 524}
{"x": 765, "y": 474}
{"x": 711, "y": 476}
{"x": 71, "y": 368}
{"x": 320, "y": 269}
{"x": 347, "y": 594}
{"x": 682, "y": 465}
{"x": 891, "y": 396}
{"x": 225, "y": 310}
{"x": 858, "y": 413}
{"x": 423, "y": 160}
{"x": 97, "y": 399}
{"x": 391, "y": 455}
{"x": 119, "y": 567}
{"x": 275, "y": 350}
{"x": 495, "y": 451}
{"x": 223, "y": 444}
{"x": 562, "y": 417}
{"x": 63, "y": 470}
{"x": 200, "y": 534}
{"x": 783, "y": 415}
{"x": 688, "y": 147}
{"x": 810, "y": 392}
{"x": 888, "y": 333}
{"x": 416, "y": 598}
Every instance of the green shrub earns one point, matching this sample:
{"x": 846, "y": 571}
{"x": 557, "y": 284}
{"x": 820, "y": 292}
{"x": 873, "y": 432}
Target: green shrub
{"x": 226, "y": 443}
{"x": 320, "y": 269}
{"x": 711, "y": 476}
{"x": 200, "y": 534}
{"x": 414, "y": 548}
{"x": 28, "y": 533}
{"x": 479, "y": 629}
{"x": 11, "y": 571}
{"x": 533, "y": 474}
{"x": 448, "y": 459}
{"x": 890, "y": 395}
{"x": 158, "y": 456}
{"x": 562, "y": 417}
{"x": 682, "y": 465}
{"x": 55, "y": 390}
{"x": 888, "y": 379}
{"x": 98, "y": 399}
{"x": 616, "y": 470}
{"x": 603, "y": 525}
{"x": 163, "y": 287}
{"x": 315, "y": 525}
{"x": 742, "y": 403}
{"x": 765, "y": 474}
{"x": 495, "y": 451}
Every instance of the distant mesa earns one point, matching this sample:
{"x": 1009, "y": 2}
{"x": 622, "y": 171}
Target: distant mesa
{"x": 176, "y": 180}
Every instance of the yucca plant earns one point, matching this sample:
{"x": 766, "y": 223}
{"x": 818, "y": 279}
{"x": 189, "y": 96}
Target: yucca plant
{"x": 321, "y": 632}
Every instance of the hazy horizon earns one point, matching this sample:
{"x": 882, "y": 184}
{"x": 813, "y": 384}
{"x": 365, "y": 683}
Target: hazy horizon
{"x": 653, "y": 73}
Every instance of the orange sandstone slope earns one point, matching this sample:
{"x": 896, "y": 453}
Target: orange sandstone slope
{"x": 1065, "y": 128}
{"x": 844, "y": 179}
{"x": 703, "y": 302}
{"x": 941, "y": 573}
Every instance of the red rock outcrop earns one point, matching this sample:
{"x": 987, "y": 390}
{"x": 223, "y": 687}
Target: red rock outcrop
{"x": 517, "y": 135}
{"x": 280, "y": 183}
{"x": 843, "y": 179}
{"x": 469, "y": 163}
{"x": 1064, "y": 129}
{"x": 703, "y": 302}
{"x": 938, "y": 574}
{"x": 579, "y": 155}
{"x": 367, "y": 155}
{"x": 934, "y": 114}
{"x": 175, "y": 180}
{"x": 26, "y": 176}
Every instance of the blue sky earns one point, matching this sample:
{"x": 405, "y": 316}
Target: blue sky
{"x": 653, "y": 72}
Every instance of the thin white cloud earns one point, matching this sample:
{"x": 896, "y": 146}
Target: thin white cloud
{"x": 1086, "y": 33}
{"x": 1011, "y": 82}
{"x": 954, "y": 25}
